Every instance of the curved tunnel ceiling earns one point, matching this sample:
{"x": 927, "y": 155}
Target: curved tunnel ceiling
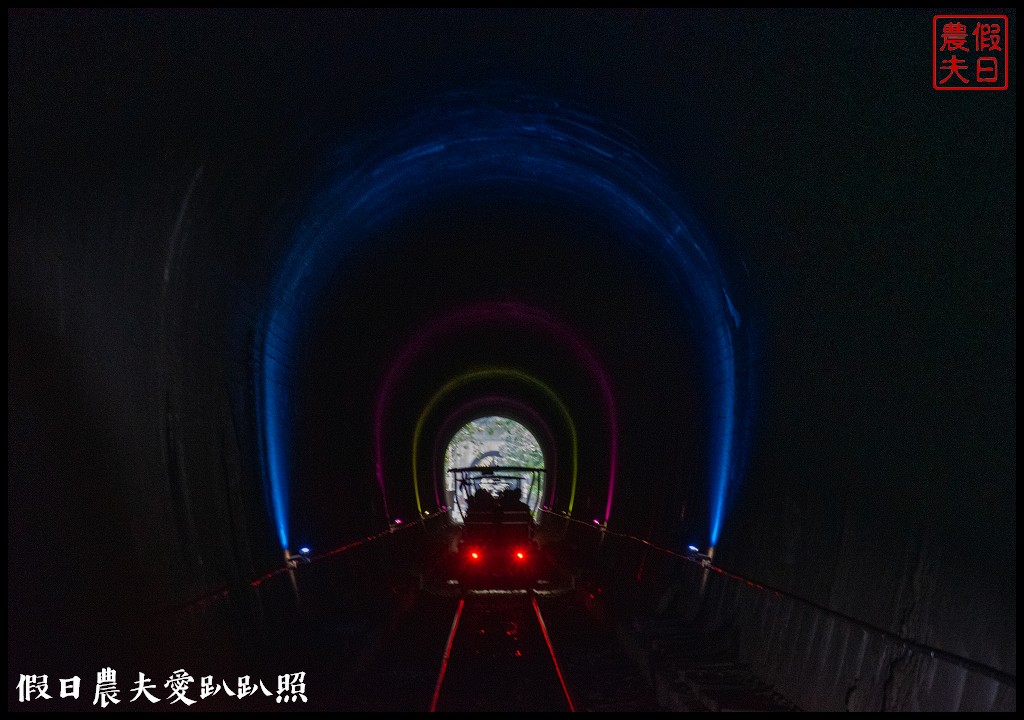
{"x": 214, "y": 215}
{"x": 514, "y": 314}
{"x": 476, "y": 417}
{"x": 493, "y": 373}
{"x": 503, "y": 406}
{"x": 473, "y": 144}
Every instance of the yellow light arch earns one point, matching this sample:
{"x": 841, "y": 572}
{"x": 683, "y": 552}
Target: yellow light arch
{"x": 489, "y": 373}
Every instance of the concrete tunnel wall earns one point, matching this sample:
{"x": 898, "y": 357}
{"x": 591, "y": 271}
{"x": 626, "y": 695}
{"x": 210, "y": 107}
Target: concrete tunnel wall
{"x": 159, "y": 164}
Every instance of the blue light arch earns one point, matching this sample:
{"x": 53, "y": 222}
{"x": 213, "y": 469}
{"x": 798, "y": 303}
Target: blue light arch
{"x": 474, "y": 140}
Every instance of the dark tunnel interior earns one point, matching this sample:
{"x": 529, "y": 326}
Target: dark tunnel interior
{"x": 746, "y": 277}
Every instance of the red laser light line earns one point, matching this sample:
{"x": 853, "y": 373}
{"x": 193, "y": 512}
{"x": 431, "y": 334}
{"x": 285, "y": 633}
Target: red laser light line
{"x": 547, "y": 639}
{"x": 447, "y": 654}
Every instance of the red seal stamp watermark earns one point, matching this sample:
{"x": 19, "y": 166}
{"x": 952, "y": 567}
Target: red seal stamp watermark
{"x": 970, "y": 52}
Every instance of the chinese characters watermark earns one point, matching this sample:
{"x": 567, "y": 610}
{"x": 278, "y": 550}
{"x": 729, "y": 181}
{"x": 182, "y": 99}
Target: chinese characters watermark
{"x": 970, "y": 52}
{"x": 291, "y": 687}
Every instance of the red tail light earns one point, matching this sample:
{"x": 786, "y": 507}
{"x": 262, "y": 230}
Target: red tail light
{"x": 474, "y": 554}
{"x": 520, "y": 555}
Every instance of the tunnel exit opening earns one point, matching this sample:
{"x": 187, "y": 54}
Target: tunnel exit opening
{"x": 495, "y": 455}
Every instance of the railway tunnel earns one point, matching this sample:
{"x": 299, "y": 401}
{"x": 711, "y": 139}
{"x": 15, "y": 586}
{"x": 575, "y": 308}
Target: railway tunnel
{"x": 263, "y": 266}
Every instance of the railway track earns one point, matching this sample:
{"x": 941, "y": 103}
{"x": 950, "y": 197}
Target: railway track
{"x": 499, "y": 657}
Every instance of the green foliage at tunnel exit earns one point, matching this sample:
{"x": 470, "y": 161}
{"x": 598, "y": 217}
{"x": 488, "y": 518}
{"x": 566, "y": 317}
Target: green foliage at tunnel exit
{"x": 493, "y": 441}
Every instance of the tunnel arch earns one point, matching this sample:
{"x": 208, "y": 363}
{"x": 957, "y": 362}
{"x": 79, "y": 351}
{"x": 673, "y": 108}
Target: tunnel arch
{"x": 146, "y": 237}
{"x": 506, "y": 406}
{"x": 473, "y": 418}
{"x": 470, "y": 141}
{"x": 489, "y": 374}
{"x": 515, "y": 313}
